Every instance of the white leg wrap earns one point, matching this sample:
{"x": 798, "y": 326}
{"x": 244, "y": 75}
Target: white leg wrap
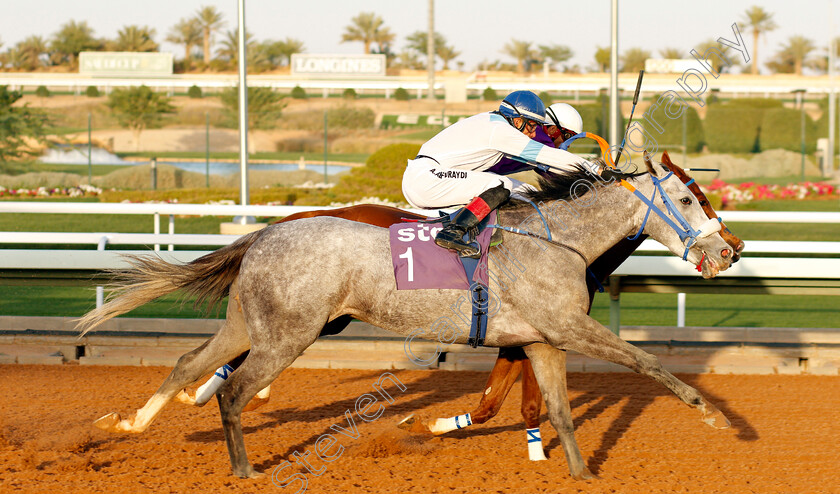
{"x": 208, "y": 389}
{"x": 535, "y": 447}
{"x": 442, "y": 426}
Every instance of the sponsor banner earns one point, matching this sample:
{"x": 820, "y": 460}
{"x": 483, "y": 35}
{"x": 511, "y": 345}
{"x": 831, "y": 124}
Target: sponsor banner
{"x": 118, "y": 63}
{"x": 669, "y": 65}
{"x": 415, "y": 120}
{"x": 338, "y": 65}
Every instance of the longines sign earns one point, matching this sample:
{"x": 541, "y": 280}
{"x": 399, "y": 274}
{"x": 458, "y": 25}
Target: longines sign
{"x": 338, "y": 65}
{"x": 125, "y": 63}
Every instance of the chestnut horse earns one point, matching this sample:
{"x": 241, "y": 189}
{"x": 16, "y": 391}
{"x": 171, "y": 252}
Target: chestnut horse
{"x": 511, "y": 361}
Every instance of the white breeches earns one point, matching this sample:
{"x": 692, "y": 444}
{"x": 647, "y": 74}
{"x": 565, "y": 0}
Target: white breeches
{"x": 426, "y": 185}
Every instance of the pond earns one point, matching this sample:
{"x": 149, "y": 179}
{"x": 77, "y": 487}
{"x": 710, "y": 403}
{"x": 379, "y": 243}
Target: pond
{"x": 67, "y": 155}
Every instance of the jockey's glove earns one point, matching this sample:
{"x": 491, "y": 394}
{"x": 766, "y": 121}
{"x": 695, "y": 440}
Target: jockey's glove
{"x": 612, "y": 174}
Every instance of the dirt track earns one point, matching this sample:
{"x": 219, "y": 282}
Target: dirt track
{"x": 784, "y": 438}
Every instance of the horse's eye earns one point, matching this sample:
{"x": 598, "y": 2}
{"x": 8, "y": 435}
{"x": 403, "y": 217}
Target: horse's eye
{"x": 686, "y": 201}
{"x": 704, "y": 203}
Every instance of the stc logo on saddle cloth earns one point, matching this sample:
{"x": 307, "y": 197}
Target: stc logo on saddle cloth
{"x": 420, "y": 264}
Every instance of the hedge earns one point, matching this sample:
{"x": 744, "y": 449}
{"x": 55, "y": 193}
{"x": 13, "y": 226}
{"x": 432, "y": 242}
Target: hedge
{"x": 733, "y": 130}
{"x": 380, "y": 177}
{"x": 673, "y": 127}
{"x": 782, "y": 128}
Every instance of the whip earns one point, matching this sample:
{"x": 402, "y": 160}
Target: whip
{"x": 632, "y": 110}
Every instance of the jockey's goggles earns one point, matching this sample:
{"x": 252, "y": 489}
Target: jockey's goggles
{"x": 529, "y": 125}
{"x": 555, "y": 131}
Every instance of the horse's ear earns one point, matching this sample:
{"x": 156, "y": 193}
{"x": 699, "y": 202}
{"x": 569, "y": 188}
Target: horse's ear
{"x": 649, "y": 163}
{"x": 666, "y": 159}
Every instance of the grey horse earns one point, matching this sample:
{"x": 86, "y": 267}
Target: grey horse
{"x": 288, "y": 281}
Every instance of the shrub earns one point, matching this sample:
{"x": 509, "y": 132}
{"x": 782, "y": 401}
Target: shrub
{"x": 596, "y": 120}
{"x": 401, "y": 94}
{"x": 348, "y": 117}
{"x": 759, "y": 103}
{"x": 92, "y": 92}
{"x": 782, "y": 129}
{"x": 733, "y": 130}
{"x": 673, "y": 127}
{"x": 194, "y": 92}
{"x": 265, "y": 107}
{"x": 298, "y": 93}
{"x": 380, "y": 177}
{"x": 42, "y": 92}
{"x": 349, "y": 93}
{"x": 546, "y": 98}
{"x": 489, "y": 94}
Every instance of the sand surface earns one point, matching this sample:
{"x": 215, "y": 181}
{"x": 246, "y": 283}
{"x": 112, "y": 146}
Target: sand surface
{"x": 631, "y": 431}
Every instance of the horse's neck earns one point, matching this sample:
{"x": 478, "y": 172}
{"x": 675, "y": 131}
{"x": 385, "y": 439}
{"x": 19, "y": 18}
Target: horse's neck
{"x": 591, "y": 225}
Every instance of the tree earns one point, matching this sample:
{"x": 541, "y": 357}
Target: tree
{"x": 602, "y": 58}
{"x": 139, "y": 108}
{"x": 134, "y": 38}
{"x": 368, "y": 28}
{"x": 26, "y": 55}
{"x": 19, "y": 127}
{"x": 280, "y": 52}
{"x": 792, "y": 56}
{"x": 447, "y": 54}
{"x": 188, "y": 33}
{"x": 211, "y": 21}
{"x": 256, "y": 53}
{"x": 521, "y": 51}
{"x": 73, "y": 38}
{"x": 419, "y": 40}
{"x": 556, "y": 53}
{"x": 717, "y": 64}
{"x": 760, "y": 21}
{"x": 265, "y": 107}
{"x": 633, "y": 60}
{"x": 671, "y": 53}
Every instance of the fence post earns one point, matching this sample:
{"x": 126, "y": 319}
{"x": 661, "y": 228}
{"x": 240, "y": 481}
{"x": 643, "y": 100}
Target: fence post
{"x": 90, "y": 161}
{"x": 685, "y": 138}
{"x": 615, "y": 304}
{"x": 154, "y": 173}
{"x": 681, "y": 310}
{"x": 325, "y": 147}
{"x": 207, "y": 148}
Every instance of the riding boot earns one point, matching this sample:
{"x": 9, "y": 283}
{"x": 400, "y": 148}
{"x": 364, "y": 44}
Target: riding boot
{"x": 466, "y": 220}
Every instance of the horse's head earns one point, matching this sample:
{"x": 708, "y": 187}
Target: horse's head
{"x": 683, "y": 226}
{"x": 727, "y": 235}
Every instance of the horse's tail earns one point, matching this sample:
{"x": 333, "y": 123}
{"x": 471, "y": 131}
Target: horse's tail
{"x": 207, "y": 278}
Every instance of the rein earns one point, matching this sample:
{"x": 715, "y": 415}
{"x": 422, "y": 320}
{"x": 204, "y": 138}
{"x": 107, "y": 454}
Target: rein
{"x": 547, "y": 238}
{"x": 688, "y": 235}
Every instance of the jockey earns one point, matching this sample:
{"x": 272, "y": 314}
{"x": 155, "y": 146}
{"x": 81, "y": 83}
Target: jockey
{"x": 455, "y": 167}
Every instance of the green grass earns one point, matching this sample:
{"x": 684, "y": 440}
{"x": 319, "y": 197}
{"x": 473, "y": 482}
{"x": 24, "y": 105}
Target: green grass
{"x": 784, "y": 311}
{"x": 97, "y": 170}
{"x": 421, "y": 135}
{"x": 123, "y": 223}
{"x": 637, "y": 309}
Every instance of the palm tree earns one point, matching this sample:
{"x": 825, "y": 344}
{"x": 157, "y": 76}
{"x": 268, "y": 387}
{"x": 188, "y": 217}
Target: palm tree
{"x": 792, "y": 56}
{"x": 134, "y": 38}
{"x": 671, "y": 53}
{"x": 602, "y": 58}
{"x": 289, "y": 47}
{"x": 447, "y": 54}
{"x": 521, "y": 51}
{"x": 72, "y": 38}
{"x": 30, "y": 51}
{"x": 557, "y": 53}
{"x": 633, "y": 60}
{"x": 760, "y": 21}
{"x": 368, "y": 28}
{"x": 257, "y": 53}
{"x": 188, "y": 33}
{"x": 210, "y": 21}
{"x": 717, "y": 64}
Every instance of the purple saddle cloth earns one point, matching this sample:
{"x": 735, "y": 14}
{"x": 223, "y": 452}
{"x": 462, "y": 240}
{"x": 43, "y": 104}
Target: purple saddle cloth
{"x": 419, "y": 263}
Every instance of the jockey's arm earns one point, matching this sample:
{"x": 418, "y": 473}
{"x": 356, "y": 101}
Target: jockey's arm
{"x": 517, "y": 145}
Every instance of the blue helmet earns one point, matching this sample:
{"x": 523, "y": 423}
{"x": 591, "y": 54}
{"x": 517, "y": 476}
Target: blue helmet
{"x": 523, "y": 104}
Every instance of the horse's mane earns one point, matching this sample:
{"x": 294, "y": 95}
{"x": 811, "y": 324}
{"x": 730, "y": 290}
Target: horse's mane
{"x": 560, "y": 186}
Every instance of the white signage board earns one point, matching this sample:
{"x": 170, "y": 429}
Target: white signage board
{"x": 338, "y": 65}
{"x": 125, "y": 63}
{"x": 669, "y": 65}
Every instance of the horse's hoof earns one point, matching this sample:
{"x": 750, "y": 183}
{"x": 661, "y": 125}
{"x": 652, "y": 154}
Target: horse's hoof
{"x": 714, "y": 417}
{"x": 255, "y": 403}
{"x": 108, "y": 422}
{"x": 185, "y": 398}
{"x": 414, "y": 424}
{"x": 249, "y": 473}
{"x": 585, "y": 474}
{"x": 407, "y": 422}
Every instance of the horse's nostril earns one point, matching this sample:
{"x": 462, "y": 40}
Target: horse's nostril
{"x": 725, "y": 253}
